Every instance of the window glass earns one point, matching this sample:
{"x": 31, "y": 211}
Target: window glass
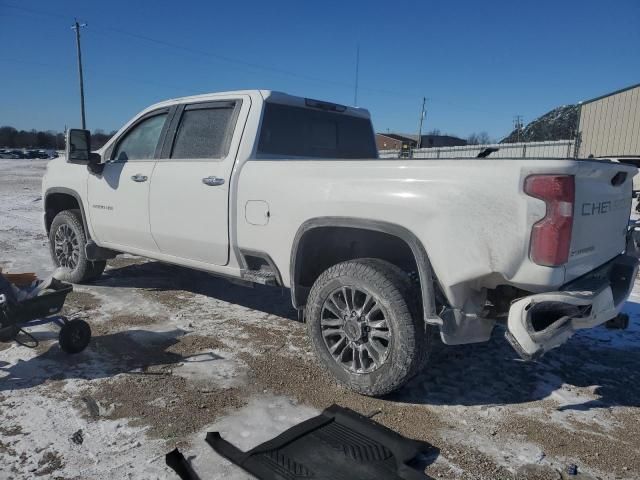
{"x": 324, "y": 135}
{"x": 306, "y": 132}
{"x": 203, "y": 133}
{"x": 141, "y": 142}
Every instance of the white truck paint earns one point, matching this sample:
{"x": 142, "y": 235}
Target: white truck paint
{"x": 247, "y": 214}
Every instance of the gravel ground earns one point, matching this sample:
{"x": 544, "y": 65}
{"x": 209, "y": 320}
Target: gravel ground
{"x": 176, "y": 353}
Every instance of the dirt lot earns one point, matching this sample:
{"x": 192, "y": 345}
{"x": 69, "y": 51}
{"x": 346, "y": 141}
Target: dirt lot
{"x": 177, "y": 353}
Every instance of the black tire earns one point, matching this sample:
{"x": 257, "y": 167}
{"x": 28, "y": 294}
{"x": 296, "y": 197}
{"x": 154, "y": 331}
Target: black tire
{"x": 408, "y": 344}
{"x": 76, "y": 267}
{"x": 8, "y": 334}
{"x": 74, "y": 336}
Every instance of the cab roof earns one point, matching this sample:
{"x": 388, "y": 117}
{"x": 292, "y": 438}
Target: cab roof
{"x": 267, "y": 96}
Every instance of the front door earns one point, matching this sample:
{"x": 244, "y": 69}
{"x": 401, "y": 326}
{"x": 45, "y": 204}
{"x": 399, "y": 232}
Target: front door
{"x": 189, "y": 194}
{"x": 119, "y": 197}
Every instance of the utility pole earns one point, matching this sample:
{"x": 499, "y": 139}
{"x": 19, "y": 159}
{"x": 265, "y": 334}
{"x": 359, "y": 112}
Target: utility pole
{"x": 422, "y": 114}
{"x": 355, "y": 95}
{"x": 517, "y": 125}
{"x": 77, "y": 26}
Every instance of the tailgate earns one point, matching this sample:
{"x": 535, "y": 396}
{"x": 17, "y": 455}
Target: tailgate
{"x": 601, "y": 215}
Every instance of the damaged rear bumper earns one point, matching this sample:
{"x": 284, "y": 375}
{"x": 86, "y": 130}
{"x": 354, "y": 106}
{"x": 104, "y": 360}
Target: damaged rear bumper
{"x": 538, "y": 323}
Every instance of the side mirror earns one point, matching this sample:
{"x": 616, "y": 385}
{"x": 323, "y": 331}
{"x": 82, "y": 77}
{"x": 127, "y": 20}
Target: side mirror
{"x": 78, "y": 150}
{"x": 78, "y": 147}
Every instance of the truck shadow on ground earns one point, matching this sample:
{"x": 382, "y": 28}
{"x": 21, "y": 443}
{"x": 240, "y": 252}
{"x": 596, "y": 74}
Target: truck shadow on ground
{"x": 137, "y": 352}
{"x": 493, "y": 374}
{"x": 162, "y": 277}
{"x": 482, "y": 374}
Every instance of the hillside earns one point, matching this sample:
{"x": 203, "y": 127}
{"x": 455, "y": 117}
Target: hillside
{"x": 558, "y": 124}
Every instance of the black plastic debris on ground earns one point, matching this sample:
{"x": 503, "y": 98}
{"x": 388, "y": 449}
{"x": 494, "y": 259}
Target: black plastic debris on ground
{"x": 176, "y": 461}
{"x": 77, "y": 437}
{"x": 339, "y": 444}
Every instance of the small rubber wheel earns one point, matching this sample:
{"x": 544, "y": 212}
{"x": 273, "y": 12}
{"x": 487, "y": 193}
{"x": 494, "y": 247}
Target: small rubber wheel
{"x": 8, "y": 334}
{"x": 74, "y": 336}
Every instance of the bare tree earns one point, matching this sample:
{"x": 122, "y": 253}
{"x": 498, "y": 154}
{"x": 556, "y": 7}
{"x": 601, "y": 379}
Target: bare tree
{"x": 13, "y": 138}
{"x": 481, "y": 138}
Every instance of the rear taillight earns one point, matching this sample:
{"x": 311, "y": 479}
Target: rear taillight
{"x": 551, "y": 236}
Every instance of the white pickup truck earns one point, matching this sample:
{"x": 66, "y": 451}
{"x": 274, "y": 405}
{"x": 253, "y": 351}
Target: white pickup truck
{"x": 378, "y": 254}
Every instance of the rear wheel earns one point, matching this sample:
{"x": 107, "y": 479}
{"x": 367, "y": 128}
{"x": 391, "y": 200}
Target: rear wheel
{"x": 364, "y": 326}
{"x": 67, "y": 240}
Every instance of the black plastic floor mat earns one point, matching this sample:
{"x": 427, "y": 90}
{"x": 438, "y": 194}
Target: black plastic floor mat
{"x": 339, "y": 444}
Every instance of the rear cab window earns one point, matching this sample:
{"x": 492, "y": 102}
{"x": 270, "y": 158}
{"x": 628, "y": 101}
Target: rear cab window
{"x": 321, "y": 132}
{"x": 205, "y": 130}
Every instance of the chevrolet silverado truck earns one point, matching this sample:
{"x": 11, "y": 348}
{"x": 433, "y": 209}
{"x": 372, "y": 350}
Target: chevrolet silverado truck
{"x": 380, "y": 256}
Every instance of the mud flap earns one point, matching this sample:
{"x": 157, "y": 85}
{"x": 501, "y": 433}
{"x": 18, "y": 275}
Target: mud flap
{"x": 339, "y": 444}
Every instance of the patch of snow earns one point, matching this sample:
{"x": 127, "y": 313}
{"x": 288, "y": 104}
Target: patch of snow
{"x": 110, "y": 449}
{"x": 213, "y": 369}
{"x": 509, "y": 453}
{"x": 264, "y": 418}
{"x": 21, "y": 225}
{"x": 124, "y": 301}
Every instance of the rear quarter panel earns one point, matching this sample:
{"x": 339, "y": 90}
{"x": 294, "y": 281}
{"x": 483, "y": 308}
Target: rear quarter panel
{"x": 471, "y": 215}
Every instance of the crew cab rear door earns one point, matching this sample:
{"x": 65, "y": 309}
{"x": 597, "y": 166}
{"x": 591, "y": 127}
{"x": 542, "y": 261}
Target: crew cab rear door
{"x": 189, "y": 193}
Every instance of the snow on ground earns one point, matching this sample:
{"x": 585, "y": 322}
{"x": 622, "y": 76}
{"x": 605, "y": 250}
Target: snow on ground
{"x": 21, "y": 230}
{"x": 177, "y": 353}
{"x": 41, "y": 419}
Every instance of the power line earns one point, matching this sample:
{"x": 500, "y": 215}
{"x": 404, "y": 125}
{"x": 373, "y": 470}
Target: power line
{"x": 224, "y": 58}
{"x": 244, "y": 63}
{"x": 69, "y": 67}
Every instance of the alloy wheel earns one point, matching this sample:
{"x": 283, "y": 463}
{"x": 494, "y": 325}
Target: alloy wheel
{"x": 355, "y": 329}
{"x": 66, "y": 247}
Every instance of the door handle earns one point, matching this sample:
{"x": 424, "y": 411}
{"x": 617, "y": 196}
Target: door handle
{"x": 139, "y": 177}
{"x": 213, "y": 181}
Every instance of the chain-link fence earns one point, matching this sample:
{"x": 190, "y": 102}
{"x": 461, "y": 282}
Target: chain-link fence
{"x": 554, "y": 149}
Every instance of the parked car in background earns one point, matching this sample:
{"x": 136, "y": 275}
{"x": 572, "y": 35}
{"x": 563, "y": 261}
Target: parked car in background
{"x": 379, "y": 254}
{"x": 7, "y": 154}
{"x": 30, "y": 154}
{"x": 11, "y": 154}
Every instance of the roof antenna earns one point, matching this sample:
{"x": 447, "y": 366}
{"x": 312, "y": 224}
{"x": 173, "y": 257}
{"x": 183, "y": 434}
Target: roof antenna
{"x": 355, "y": 95}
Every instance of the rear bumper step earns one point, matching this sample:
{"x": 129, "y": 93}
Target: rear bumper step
{"x": 539, "y": 323}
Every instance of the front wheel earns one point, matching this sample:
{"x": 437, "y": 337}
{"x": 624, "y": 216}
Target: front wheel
{"x": 361, "y": 325}
{"x": 67, "y": 240}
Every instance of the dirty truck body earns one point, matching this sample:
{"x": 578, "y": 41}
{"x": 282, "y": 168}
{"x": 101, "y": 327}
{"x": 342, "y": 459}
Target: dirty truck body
{"x": 380, "y": 254}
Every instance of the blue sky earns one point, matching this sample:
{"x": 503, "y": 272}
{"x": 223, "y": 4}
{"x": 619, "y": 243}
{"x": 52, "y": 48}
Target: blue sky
{"x": 478, "y": 63}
